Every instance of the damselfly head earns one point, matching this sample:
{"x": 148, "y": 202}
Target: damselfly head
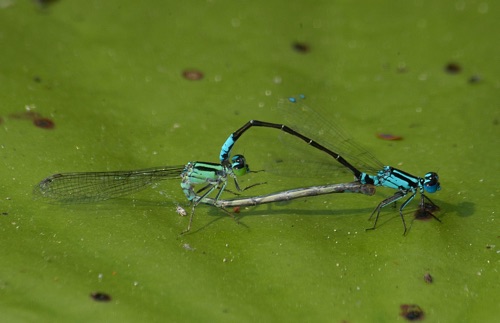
{"x": 239, "y": 165}
{"x": 431, "y": 182}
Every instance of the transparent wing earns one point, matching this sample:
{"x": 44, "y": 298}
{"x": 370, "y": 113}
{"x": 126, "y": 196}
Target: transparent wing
{"x": 299, "y": 160}
{"x": 310, "y": 123}
{"x": 98, "y": 186}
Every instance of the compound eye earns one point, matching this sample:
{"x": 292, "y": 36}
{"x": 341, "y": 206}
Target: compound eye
{"x": 238, "y": 161}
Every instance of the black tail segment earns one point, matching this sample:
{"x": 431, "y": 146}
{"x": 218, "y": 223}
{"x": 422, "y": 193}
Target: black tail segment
{"x": 309, "y": 141}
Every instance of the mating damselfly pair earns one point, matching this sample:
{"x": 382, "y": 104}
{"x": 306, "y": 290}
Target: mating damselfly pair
{"x": 368, "y": 172}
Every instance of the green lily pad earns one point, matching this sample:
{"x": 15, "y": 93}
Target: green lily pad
{"x": 113, "y": 85}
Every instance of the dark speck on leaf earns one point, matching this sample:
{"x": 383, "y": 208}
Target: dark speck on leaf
{"x": 192, "y": 75}
{"x": 412, "y": 312}
{"x": 426, "y": 212}
{"x": 44, "y": 123}
{"x": 100, "y": 297}
{"x": 301, "y": 47}
{"x": 453, "y": 68}
{"x": 388, "y": 136}
{"x": 474, "y": 79}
